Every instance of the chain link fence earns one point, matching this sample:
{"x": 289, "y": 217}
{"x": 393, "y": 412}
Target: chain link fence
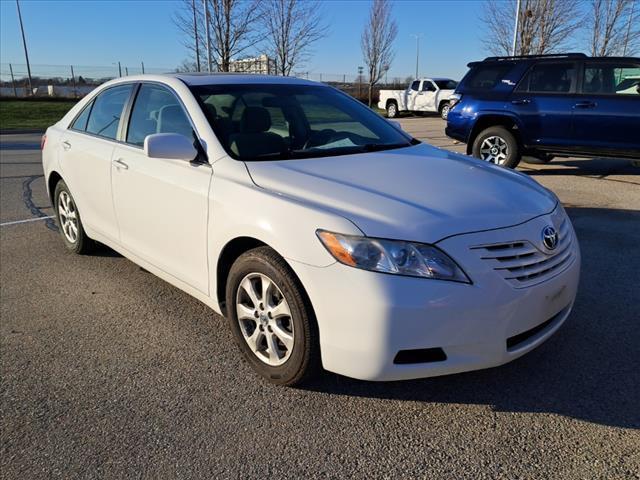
{"x": 75, "y": 81}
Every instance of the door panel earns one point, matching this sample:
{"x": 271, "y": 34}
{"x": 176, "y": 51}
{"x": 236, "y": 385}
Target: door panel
{"x": 86, "y": 167}
{"x": 162, "y": 212}
{"x": 607, "y": 110}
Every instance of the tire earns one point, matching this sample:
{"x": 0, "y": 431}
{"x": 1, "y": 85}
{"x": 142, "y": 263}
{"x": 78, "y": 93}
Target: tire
{"x": 254, "y": 327}
{"x": 392, "y": 110}
{"x": 69, "y": 222}
{"x": 444, "y": 110}
{"x": 497, "y": 145}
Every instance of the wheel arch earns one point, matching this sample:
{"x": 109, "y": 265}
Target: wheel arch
{"x": 494, "y": 120}
{"x": 391, "y": 101}
{"x": 52, "y": 181}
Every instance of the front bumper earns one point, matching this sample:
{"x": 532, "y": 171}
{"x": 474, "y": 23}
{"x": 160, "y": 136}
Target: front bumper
{"x": 365, "y": 318}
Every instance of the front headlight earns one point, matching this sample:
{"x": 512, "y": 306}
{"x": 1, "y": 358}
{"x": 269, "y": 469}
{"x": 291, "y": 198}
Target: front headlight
{"x": 392, "y": 256}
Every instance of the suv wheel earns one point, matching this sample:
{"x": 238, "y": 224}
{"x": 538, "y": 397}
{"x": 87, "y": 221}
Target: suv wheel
{"x": 444, "y": 110}
{"x": 271, "y": 318}
{"x": 497, "y": 145}
{"x": 69, "y": 222}
{"x": 392, "y": 110}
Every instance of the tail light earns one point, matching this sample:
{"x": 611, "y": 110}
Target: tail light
{"x": 43, "y": 141}
{"x": 454, "y": 98}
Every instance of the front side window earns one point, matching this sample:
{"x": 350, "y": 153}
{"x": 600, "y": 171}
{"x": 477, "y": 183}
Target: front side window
{"x": 275, "y": 122}
{"x": 415, "y": 86}
{"x": 156, "y": 110}
{"x": 611, "y": 79}
{"x": 107, "y": 111}
{"x": 552, "y": 78}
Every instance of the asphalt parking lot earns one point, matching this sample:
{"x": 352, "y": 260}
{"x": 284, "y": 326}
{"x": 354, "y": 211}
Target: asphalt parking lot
{"x": 107, "y": 371}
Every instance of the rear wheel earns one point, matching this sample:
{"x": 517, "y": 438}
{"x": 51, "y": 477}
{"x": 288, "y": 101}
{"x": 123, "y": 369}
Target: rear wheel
{"x": 444, "y": 110}
{"x": 497, "y": 145}
{"x": 69, "y": 222}
{"x": 392, "y": 110}
{"x": 271, "y": 318}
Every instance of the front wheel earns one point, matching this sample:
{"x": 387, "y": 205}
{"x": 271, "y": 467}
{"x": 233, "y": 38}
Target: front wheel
{"x": 444, "y": 110}
{"x": 392, "y": 110}
{"x": 69, "y": 222}
{"x": 271, "y": 318}
{"x": 497, "y": 145}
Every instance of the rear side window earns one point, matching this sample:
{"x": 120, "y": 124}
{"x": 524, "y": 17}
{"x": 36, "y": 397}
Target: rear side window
{"x": 486, "y": 77}
{"x": 552, "y": 78}
{"x": 107, "y": 110}
{"x": 611, "y": 79}
{"x": 156, "y": 110}
{"x": 80, "y": 122}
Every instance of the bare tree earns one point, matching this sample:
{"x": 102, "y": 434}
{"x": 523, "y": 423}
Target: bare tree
{"x": 291, "y": 28}
{"x": 545, "y": 26}
{"x": 377, "y": 42}
{"x": 613, "y": 27}
{"x": 232, "y": 24}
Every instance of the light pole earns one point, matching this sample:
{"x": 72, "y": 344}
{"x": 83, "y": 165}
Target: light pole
{"x": 24, "y": 43}
{"x": 417, "y": 36}
{"x": 515, "y": 29}
{"x": 206, "y": 27}
{"x": 195, "y": 32}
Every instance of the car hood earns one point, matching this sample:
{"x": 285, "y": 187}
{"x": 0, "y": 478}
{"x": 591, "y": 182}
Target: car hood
{"x": 418, "y": 193}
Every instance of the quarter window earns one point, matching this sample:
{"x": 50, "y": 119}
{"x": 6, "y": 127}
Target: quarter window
{"x": 107, "y": 111}
{"x": 552, "y": 78}
{"x": 80, "y": 122}
{"x": 611, "y": 79}
{"x": 156, "y": 110}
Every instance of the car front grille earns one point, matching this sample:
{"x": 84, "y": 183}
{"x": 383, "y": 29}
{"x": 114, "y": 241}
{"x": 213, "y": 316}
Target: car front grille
{"x": 523, "y": 264}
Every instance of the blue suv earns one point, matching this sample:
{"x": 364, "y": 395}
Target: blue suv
{"x": 548, "y": 105}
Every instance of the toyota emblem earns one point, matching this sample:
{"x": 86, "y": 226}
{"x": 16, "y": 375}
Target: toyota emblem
{"x": 549, "y": 237}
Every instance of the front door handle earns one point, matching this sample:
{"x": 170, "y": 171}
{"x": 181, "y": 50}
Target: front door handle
{"x": 66, "y": 145}
{"x": 119, "y": 163}
{"x": 585, "y": 104}
{"x": 523, "y": 101}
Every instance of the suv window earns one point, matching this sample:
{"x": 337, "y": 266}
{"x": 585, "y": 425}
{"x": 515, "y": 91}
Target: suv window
{"x": 611, "y": 79}
{"x": 552, "y": 77}
{"x": 107, "y": 110}
{"x": 415, "y": 86}
{"x": 486, "y": 77}
{"x": 80, "y": 122}
{"x": 156, "y": 110}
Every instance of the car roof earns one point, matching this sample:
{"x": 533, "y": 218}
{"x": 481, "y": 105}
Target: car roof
{"x": 201, "y": 78}
{"x": 552, "y": 57}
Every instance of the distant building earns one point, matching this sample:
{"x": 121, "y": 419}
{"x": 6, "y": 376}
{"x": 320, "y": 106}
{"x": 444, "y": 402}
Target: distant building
{"x": 261, "y": 65}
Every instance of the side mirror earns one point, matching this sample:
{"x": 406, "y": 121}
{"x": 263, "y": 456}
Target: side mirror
{"x": 169, "y": 145}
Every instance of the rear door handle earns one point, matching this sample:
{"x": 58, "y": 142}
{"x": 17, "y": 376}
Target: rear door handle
{"x": 66, "y": 145}
{"x": 585, "y": 104}
{"x": 119, "y": 163}
{"x": 523, "y": 101}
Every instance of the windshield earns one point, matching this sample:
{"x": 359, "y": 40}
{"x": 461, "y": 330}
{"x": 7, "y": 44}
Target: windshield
{"x": 277, "y": 122}
{"x": 446, "y": 84}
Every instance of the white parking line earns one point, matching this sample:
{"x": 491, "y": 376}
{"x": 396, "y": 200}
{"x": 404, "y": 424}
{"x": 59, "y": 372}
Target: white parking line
{"x": 15, "y": 222}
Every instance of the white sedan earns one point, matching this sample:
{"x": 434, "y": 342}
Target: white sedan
{"x": 325, "y": 235}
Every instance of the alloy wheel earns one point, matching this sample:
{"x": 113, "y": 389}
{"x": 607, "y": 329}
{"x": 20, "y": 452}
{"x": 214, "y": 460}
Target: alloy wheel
{"x": 265, "y": 319}
{"x": 445, "y": 112}
{"x": 68, "y": 216}
{"x": 494, "y": 149}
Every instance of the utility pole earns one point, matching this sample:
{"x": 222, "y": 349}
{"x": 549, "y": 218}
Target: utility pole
{"x": 119, "y": 70}
{"x": 24, "y": 43}
{"x": 142, "y": 64}
{"x": 417, "y": 36}
{"x": 73, "y": 79}
{"x": 13, "y": 81}
{"x": 626, "y": 37}
{"x": 206, "y": 26}
{"x": 515, "y": 29}
{"x": 195, "y": 30}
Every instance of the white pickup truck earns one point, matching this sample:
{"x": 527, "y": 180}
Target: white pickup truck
{"x": 423, "y": 95}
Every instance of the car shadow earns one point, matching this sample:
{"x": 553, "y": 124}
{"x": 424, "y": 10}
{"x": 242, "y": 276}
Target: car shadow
{"x": 589, "y": 370}
{"x": 596, "y": 167}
